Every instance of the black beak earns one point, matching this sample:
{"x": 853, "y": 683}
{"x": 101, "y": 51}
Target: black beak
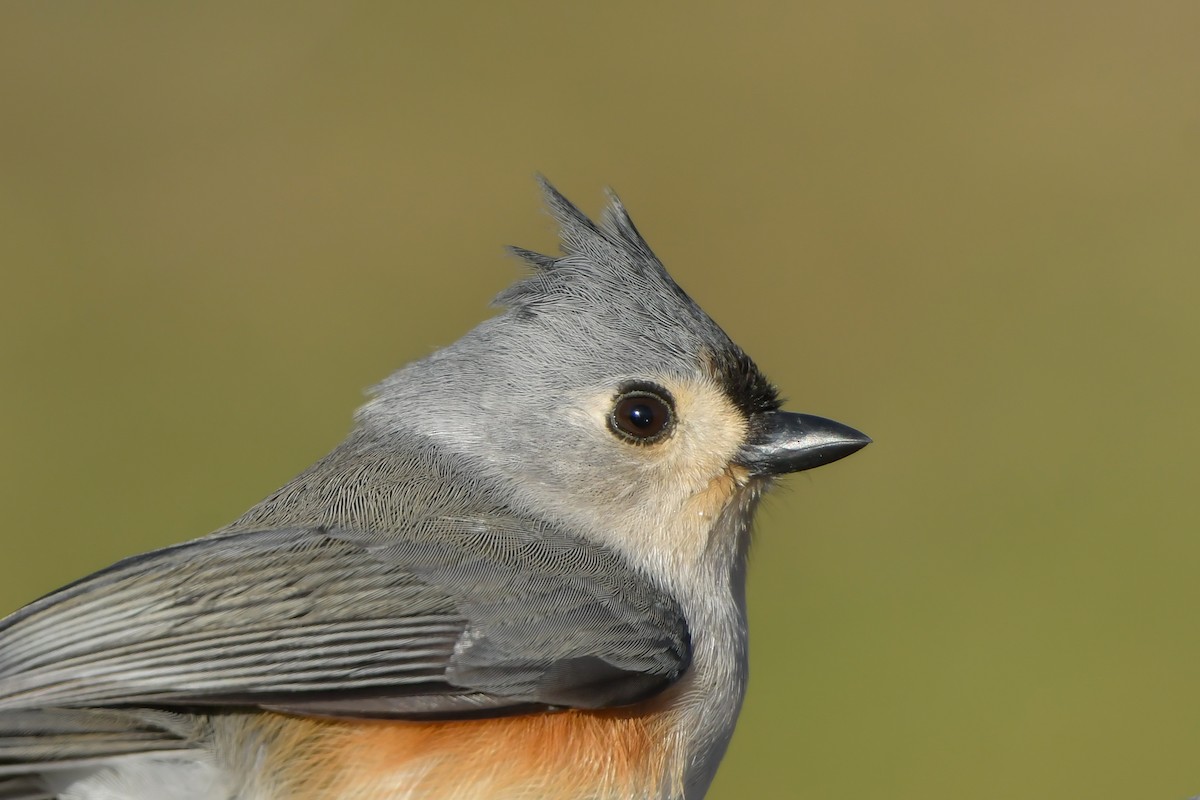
{"x": 781, "y": 442}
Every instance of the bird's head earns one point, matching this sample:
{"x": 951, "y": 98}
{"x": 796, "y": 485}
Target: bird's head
{"x": 605, "y": 398}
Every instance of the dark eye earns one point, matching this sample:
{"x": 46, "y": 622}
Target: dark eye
{"x": 642, "y": 415}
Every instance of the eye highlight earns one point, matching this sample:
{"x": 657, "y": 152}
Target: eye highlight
{"x": 642, "y": 414}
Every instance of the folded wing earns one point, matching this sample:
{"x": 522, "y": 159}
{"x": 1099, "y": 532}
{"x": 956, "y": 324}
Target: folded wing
{"x": 470, "y": 615}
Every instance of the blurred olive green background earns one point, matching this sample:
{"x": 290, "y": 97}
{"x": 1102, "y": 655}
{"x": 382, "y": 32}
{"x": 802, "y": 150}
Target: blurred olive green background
{"x": 972, "y": 230}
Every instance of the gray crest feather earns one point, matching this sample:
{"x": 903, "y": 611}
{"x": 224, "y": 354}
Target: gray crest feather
{"x": 577, "y": 233}
{"x": 612, "y": 252}
{"x": 580, "y": 235}
{"x": 609, "y": 287}
{"x": 617, "y": 221}
{"x": 540, "y": 262}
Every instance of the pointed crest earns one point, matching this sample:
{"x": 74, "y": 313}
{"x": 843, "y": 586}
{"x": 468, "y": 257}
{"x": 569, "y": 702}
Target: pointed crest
{"x": 617, "y": 221}
{"x": 576, "y": 232}
{"x": 614, "y": 248}
{"x": 605, "y": 309}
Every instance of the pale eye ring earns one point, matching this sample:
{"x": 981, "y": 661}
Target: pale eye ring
{"x": 642, "y": 414}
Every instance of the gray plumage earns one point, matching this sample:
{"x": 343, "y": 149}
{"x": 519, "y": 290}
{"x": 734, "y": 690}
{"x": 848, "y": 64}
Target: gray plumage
{"x": 481, "y": 544}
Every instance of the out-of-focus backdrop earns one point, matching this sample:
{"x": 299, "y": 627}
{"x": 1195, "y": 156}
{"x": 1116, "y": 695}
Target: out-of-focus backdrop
{"x": 972, "y": 230}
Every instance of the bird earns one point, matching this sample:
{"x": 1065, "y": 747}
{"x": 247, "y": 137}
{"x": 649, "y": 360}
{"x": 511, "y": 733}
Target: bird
{"x": 521, "y": 575}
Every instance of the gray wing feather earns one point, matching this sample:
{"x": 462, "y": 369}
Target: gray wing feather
{"x": 284, "y": 609}
{"x": 490, "y": 614}
{"x": 72, "y": 738}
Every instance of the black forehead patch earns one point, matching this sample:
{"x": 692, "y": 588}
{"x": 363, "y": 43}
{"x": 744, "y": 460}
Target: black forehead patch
{"x": 746, "y": 386}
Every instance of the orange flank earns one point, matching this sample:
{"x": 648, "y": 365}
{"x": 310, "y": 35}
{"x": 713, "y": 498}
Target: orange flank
{"x": 568, "y": 755}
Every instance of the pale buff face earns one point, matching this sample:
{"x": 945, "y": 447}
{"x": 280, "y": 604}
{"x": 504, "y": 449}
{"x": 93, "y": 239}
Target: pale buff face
{"x": 662, "y": 499}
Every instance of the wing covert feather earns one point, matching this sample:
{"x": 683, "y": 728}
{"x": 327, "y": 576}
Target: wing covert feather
{"x": 456, "y": 616}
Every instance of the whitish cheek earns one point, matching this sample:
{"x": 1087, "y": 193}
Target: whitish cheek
{"x": 710, "y": 502}
{"x": 710, "y": 433}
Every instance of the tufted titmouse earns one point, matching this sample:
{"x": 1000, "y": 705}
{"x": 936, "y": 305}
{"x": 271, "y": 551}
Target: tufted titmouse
{"x": 521, "y": 576}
